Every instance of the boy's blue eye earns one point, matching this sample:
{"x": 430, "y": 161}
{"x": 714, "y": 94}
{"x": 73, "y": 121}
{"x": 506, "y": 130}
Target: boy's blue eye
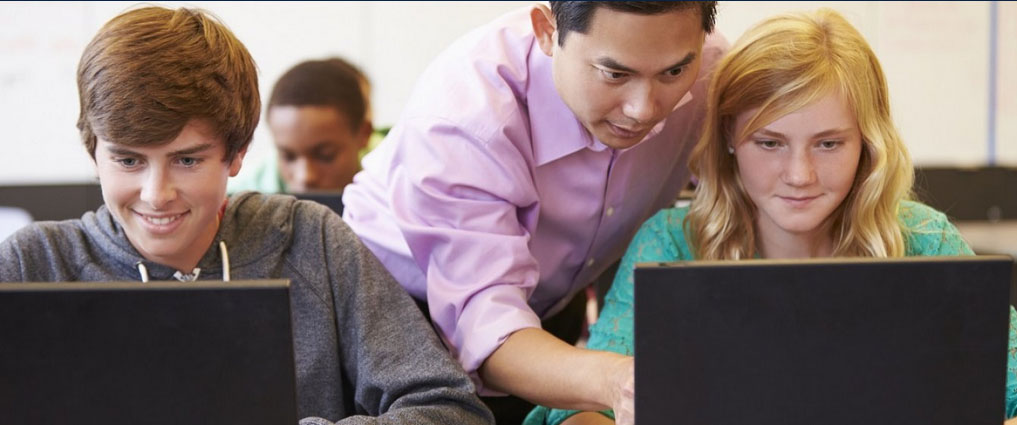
{"x": 127, "y": 162}
{"x": 674, "y": 72}
{"x": 188, "y": 162}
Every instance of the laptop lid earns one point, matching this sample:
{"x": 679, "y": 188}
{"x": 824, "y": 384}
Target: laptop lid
{"x": 153, "y": 353}
{"x": 333, "y": 200}
{"x": 918, "y": 340}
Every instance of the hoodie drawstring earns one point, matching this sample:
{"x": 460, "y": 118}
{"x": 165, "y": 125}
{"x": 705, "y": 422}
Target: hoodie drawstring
{"x": 143, "y": 270}
{"x": 225, "y": 261}
{"x": 197, "y": 271}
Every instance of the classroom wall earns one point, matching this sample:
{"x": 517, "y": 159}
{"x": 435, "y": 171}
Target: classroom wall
{"x": 936, "y": 56}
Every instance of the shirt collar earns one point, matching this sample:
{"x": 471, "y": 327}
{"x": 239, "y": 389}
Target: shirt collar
{"x": 554, "y": 129}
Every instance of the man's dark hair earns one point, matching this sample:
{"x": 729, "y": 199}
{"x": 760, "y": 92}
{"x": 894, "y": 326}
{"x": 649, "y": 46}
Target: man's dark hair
{"x": 575, "y": 15}
{"x": 329, "y": 82}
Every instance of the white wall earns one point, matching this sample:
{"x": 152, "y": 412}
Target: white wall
{"x": 934, "y": 53}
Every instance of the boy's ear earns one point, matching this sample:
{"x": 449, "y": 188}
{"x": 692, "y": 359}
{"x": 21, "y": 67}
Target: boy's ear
{"x": 237, "y": 160}
{"x": 364, "y": 134}
{"x": 544, "y": 27}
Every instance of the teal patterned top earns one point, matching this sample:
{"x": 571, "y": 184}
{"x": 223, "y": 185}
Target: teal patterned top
{"x": 662, "y": 239}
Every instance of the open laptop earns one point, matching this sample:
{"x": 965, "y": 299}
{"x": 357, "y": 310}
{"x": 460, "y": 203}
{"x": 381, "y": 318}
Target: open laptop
{"x": 918, "y": 340}
{"x": 154, "y": 353}
{"x": 333, "y": 200}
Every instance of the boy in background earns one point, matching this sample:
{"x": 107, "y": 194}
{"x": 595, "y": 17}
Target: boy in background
{"x": 169, "y": 102}
{"x": 320, "y": 118}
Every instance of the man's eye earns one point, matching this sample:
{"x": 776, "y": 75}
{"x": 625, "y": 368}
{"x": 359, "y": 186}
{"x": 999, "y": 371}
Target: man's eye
{"x": 612, "y": 75}
{"x": 674, "y": 72}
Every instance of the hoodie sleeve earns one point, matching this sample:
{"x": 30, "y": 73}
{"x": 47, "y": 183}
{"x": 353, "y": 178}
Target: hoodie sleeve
{"x": 399, "y": 369}
{"x": 10, "y": 260}
{"x": 40, "y": 252}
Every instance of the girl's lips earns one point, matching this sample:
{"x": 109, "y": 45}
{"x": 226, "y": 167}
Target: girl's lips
{"x": 798, "y": 201}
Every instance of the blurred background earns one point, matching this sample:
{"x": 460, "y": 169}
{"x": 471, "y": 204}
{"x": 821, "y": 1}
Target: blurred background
{"x": 951, "y": 68}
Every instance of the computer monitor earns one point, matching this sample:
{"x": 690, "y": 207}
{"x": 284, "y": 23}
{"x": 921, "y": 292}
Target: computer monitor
{"x": 832, "y": 341}
{"x": 147, "y": 353}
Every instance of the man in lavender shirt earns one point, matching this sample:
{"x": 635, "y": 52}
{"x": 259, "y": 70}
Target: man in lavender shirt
{"x": 527, "y": 157}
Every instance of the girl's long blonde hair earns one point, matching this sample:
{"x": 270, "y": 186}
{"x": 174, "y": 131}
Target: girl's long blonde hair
{"x": 779, "y": 66}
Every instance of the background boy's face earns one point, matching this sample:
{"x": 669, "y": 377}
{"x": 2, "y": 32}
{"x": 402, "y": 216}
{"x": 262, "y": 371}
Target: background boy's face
{"x": 168, "y": 197}
{"x": 628, "y": 71}
{"x": 318, "y": 146}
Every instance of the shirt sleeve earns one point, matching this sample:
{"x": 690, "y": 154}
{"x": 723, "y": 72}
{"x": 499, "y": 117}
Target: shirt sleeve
{"x": 613, "y": 330}
{"x": 458, "y": 200}
{"x": 930, "y": 233}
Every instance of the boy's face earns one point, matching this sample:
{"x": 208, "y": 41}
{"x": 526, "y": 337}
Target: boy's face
{"x": 627, "y": 73}
{"x": 168, "y": 197}
{"x": 318, "y": 146}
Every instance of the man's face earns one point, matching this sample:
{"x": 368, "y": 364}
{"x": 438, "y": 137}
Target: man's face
{"x": 318, "y": 148}
{"x": 168, "y": 197}
{"x": 627, "y": 73}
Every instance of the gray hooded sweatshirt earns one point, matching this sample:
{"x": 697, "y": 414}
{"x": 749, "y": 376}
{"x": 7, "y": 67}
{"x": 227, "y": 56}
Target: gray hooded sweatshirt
{"x": 364, "y": 352}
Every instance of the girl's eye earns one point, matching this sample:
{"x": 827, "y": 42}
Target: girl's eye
{"x": 768, "y": 144}
{"x": 829, "y": 144}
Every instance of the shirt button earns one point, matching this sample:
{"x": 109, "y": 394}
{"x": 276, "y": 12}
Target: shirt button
{"x": 589, "y": 262}
{"x": 610, "y": 211}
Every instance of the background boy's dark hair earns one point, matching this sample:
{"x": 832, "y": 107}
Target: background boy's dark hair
{"x": 327, "y": 82}
{"x": 575, "y": 15}
{"x": 151, "y": 70}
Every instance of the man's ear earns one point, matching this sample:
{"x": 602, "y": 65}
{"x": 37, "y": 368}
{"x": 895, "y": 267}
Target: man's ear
{"x": 237, "y": 160}
{"x": 544, "y": 27}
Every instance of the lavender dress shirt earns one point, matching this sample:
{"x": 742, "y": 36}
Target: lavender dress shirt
{"x": 492, "y": 202}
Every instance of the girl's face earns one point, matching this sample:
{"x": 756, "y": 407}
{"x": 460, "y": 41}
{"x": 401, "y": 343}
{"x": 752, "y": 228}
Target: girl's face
{"x": 798, "y": 169}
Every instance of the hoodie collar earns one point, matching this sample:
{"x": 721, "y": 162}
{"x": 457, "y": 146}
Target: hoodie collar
{"x": 105, "y": 232}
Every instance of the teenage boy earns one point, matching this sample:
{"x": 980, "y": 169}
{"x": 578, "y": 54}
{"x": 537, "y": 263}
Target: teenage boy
{"x": 169, "y": 102}
{"x": 530, "y": 153}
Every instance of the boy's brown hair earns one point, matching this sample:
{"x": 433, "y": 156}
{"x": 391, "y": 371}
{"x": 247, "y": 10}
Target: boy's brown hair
{"x": 151, "y": 70}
